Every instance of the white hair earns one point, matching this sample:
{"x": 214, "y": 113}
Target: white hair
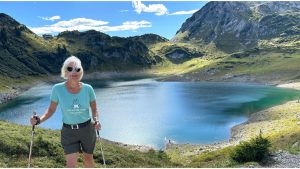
{"x": 77, "y": 63}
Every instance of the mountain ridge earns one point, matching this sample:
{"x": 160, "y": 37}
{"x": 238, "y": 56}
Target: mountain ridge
{"x": 236, "y": 26}
{"x": 20, "y": 47}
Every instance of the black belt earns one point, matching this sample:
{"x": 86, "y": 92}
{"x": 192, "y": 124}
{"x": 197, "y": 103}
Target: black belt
{"x": 77, "y": 126}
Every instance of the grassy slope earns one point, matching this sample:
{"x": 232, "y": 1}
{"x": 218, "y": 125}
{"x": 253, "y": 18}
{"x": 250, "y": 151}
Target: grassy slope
{"x": 285, "y": 136}
{"x": 10, "y": 84}
{"x": 47, "y": 151}
{"x": 276, "y": 60}
{"x": 167, "y": 68}
{"x": 273, "y": 65}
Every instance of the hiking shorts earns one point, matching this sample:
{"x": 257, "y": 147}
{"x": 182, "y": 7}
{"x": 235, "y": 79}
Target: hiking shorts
{"x": 79, "y": 140}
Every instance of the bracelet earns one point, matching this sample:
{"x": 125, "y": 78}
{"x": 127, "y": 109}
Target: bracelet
{"x": 96, "y": 122}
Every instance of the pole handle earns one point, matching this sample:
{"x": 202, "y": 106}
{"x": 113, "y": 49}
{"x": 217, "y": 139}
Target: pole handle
{"x": 34, "y": 115}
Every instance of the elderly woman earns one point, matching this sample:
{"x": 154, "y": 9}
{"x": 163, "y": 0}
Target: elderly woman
{"x": 75, "y": 98}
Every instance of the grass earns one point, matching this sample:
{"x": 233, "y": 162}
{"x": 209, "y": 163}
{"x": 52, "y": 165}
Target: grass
{"x": 267, "y": 65}
{"x": 218, "y": 158}
{"x": 38, "y": 43}
{"x": 273, "y": 60}
{"x": 215, "y": 159}
{"x": 8, "y": 84}
{"x": 168, "y": 68}
{"x": 47, "y": 151}
{"x": 283, "y": 136}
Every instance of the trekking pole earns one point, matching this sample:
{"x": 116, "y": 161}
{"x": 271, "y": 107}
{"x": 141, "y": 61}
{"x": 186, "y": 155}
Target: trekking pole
{"x": 101, "y": 148}
{"x": 31, "y": 142}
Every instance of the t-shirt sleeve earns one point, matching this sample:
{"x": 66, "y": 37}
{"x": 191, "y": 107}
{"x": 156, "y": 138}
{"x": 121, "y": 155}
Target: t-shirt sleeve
{"x": 92, "y": 94}
{"x": 54, "y": 96}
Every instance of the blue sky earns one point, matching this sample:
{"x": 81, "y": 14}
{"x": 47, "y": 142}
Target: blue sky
{"x": 116, "y": 18}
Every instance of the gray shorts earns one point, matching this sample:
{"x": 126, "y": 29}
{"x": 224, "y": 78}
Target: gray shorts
{"x": 77, "y": 140}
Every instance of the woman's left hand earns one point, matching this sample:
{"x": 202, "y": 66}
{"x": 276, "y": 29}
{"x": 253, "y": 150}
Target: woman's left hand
{"x": 97, "y": 125}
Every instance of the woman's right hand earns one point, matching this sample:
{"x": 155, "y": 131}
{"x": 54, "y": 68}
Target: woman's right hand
{"x": 34, "y": 120}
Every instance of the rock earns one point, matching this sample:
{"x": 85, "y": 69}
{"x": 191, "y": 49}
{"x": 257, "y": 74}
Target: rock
{"x": 285, "y": 160}
{"x": 295, "y": 144}
{"x": 251, "y": 166}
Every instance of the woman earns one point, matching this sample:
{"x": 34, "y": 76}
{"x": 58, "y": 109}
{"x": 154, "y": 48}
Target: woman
{"x": 74, "y": 98}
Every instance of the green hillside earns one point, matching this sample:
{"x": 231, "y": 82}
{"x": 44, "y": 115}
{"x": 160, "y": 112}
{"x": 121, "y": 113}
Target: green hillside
{"x": 272, "y": 61}
{"x": 48, "y": 153}
{"x": 24, "y": 53}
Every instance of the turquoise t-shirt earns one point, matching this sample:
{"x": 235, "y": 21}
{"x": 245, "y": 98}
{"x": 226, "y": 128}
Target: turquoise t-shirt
{"x": 75, "y": 107}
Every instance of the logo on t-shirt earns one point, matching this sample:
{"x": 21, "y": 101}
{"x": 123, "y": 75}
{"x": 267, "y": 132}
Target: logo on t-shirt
{"x": 76, "y": 104}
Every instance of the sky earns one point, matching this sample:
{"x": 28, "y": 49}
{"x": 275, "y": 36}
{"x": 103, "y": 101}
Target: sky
{"x": 115, "y": 18}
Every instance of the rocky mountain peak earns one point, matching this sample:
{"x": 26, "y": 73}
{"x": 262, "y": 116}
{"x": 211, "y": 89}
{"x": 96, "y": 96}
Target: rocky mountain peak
{"x": 271, "y": 7}
{"x": 234, "y": 26}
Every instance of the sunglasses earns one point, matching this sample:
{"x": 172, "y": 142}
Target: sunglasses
{"x": 71, "y": 69}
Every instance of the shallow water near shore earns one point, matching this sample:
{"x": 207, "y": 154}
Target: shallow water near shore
{"x": 147, "y": 112}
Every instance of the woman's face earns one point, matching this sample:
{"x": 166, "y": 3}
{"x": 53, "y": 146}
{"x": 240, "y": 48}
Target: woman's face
{"x": 73, "y": 72}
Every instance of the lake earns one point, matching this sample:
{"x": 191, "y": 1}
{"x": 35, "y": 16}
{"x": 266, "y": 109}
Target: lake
{"x": 147, "y": 112}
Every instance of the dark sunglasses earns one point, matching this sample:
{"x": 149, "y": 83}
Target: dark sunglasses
{"x": 70, "y": 69}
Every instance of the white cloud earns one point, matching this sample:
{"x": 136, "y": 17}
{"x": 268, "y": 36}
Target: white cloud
{"x": 124, "y": 10}
{"x": 128, "y": 25}
{"x": 184, "y": 12}
{"x": 53, "y": 18}
{"x": 84, "y": 24}
{"x": 79, "y": 22}
{"x": 158, "y": 9}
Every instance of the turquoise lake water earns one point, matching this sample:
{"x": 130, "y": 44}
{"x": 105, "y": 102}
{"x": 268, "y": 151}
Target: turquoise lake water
{"x": 146, "y": 112}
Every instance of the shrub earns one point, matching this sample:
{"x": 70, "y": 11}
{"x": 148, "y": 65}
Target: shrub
{"x": 256, "y": 150}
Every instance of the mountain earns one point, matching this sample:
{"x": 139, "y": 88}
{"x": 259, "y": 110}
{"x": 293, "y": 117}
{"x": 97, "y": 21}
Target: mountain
{"x": 99, "y": 51}
{"x": 24, "y": 53}
{"x": 235, "y": 26}
{"x": 16, "y": 51}
{"x": 150, "y": 39}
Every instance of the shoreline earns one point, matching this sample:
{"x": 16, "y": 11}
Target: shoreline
{"x": 14, "y": 91}
{"x": 243, "y": 131}
{"x": 294, "y": 85}
{"x": 237, "y": 133}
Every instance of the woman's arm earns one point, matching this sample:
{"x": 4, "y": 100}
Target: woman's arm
{"x": 95, "y": 115}
{"x": 48, "y": 113}
{"x": 94, "y": 110}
